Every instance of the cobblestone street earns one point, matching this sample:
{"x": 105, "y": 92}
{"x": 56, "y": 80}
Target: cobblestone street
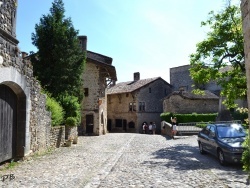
{"x": 126, "y": 160}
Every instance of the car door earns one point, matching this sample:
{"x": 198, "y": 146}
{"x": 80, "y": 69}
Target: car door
{"x": 211, "y": 141}
{"x": 204, "y": 137}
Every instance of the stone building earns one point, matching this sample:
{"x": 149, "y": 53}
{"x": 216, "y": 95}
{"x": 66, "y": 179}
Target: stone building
{"x": 185, "y": 102}
{"x": 99, "y": 73}
{"x": 181, "y": 80}
{"x": 22, "y": 106}
{"x": 129, "y": 104}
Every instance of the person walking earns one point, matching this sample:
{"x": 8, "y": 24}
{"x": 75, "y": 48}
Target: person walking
{"x": 174, "y": 126}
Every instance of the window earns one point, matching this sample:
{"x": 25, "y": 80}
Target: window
{"x": 132, "y": 106}
{"x": 141, "y": 106}
{"x": 86, "y": 92}
{"x": 149, "y": 90}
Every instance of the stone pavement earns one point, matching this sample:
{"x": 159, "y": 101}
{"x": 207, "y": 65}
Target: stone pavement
{"x": 126, "y": 160}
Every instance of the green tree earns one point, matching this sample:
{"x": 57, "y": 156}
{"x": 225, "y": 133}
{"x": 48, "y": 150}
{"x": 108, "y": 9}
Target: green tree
{"x": 59, "y": 62}
{"x": 220, "y": 57}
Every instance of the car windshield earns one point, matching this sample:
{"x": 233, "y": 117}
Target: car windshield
{"x": 231, "y": 131}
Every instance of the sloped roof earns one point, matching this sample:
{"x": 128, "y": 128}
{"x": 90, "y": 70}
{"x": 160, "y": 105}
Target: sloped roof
{"x": 104, "y": 61}
{"x": 190, "y": 95}
{"x": 99, "y": 57}
{"x": 130, "y": 86}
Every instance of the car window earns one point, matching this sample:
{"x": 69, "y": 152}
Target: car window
{"x": 206, "y": 130}
{"x": 231, "y": 131}
{"x": 212, "y": 131}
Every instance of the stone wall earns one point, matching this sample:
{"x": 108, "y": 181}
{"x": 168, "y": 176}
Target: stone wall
{"x": 154, "y": 103}
{"x": 16, "y": 72}
{"x": 102, "y": 116}
{"x": 57, "y": 136}
{"x": 118, "y": 108}
{"x": 178, "y": 104}
{"x": 8, "y": 16}
{"x": 180, "y": 78}
{"x": 90, "y": 103}
{"x": 70, "y": 132}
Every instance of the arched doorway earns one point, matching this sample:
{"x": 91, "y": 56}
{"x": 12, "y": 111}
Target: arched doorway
{"x": 8, "y": 123}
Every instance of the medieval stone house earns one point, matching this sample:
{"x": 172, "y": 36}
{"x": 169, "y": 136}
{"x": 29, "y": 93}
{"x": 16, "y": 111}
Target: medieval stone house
{"x": 22, "y": 106}
{"x": 185, "y": 102}
{"x": 182, "y": 83}
{"x": 129, "y": 104}
{"x": 99, "y": 73}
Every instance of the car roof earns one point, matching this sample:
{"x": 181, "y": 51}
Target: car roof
{"x": 223, "y": 124}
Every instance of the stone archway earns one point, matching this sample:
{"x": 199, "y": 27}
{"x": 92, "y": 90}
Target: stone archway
{"x": 17, "y": 83}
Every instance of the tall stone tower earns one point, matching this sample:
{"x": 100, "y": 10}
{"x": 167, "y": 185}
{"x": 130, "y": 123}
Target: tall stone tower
{"x": 8, "y": 43}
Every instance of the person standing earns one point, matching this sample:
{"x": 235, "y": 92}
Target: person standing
{"x": 154, "y": 127}
{"x": 144, "y": 127}
{"x": 174, "y": 126}
{"x": 150, "y": 128}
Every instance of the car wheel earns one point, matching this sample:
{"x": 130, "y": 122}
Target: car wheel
{"x": 201, "y": 148}
{"x": 221, "y": 157}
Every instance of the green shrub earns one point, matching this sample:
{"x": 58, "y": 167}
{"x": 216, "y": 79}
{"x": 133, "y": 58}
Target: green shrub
{"x": 71, "y": 106}
{"x": 71, "y": 121}
{"x": 237, "y": 115}
{"x": 57, "y": 113}
{"x": 185, "y": 118}
{"x": 201, "y": 125}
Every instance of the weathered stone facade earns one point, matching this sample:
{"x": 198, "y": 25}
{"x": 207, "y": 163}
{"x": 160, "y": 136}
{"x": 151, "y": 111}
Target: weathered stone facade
{"x": 181, "y": 80}
{"x": 184, "y": 102}
{"x": 129, "y": 104}
{"x": 33, "y": 121}
{"x": 97, "y": 76}
{"x": 57, "y": 136}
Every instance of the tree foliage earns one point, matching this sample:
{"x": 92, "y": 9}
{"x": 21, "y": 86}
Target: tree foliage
{"x": 220, "y": 57}
{"x": 59, "y": 62}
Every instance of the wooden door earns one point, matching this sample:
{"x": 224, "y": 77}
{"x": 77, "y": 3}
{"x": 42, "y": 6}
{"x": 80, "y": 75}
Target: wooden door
{"x": 89, "y": 123}
{"x": 8, "y": 108}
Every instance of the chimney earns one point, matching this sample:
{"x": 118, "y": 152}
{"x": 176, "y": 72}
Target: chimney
{"x": 83, "y": 42}
{"x": 136, "y": 76}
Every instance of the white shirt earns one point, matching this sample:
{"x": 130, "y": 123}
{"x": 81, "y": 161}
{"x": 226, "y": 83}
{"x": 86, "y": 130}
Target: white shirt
{"x": 174, "y": 127}
{"x": 150, "y": 127}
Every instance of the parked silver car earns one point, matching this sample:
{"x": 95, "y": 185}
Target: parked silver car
{"x": 223, "y": 140}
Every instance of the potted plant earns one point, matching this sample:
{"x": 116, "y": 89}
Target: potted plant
{"x": 75, "y": 140}
{"x": 68, "y": 142}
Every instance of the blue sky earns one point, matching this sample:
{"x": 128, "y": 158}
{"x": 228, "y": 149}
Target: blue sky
{"x": 146, "y": 36}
